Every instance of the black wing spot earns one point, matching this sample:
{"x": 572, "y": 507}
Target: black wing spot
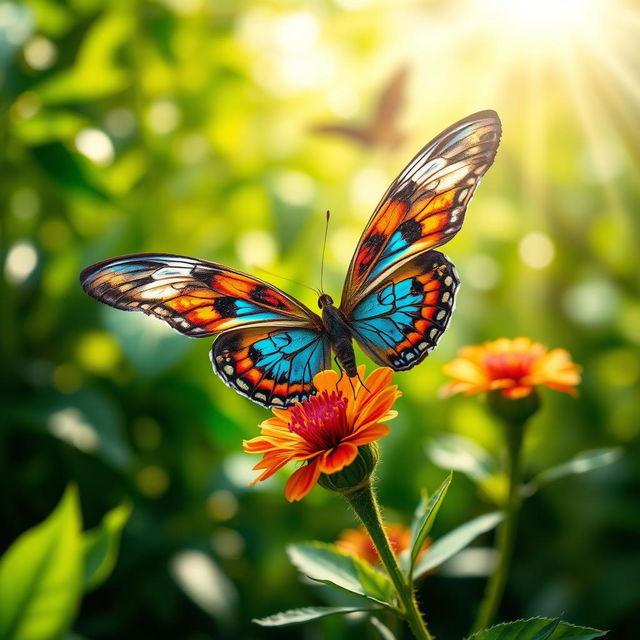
{"x": 371, "y": 246}
{"x": 226, "y": 306}
{"x": 406, "y": 191}
{"x": 410, "y": 230}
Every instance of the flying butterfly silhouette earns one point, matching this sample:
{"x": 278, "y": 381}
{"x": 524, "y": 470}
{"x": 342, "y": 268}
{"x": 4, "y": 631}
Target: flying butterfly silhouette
{"x": 382, "y": 129}
{"x": 397, "y": 298}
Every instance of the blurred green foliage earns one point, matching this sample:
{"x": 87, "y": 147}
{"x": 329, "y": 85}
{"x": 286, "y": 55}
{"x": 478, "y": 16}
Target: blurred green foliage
{"x": 185, "y": 126}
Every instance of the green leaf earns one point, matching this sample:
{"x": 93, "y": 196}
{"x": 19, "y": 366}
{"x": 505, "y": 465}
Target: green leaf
{"x": 537, "y": 629}
{"x": 41, "y": 576}
{"x": 296, "y": 616}
{"x": 383, "y": 631}
{"x": 456, "y": 540}
{"x": 424, "y": 517}
{"x": 327, "y": 564}
{"x": 455, "y": 452}
{"x": 101, "y": 546}
{"x": 581, "y": 463}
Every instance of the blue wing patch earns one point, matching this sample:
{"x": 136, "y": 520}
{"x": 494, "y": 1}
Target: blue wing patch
{"x": 273, "y": 368}
{"x": 401, "y": 322}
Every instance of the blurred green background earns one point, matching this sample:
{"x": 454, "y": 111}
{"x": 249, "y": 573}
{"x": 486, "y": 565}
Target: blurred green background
{"x": 192, "y": 127}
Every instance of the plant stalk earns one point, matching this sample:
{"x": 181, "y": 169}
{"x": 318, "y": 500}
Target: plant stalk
{"x": 507, "y": 530}
{"x": 365, "y": 504}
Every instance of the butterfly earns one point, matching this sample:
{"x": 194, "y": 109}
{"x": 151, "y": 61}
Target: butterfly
{"x": 382, "y": 129}
{"x": 397, "y": 298}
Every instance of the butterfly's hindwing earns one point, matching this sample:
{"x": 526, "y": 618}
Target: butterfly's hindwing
{"x": 400, "y": 322}
{"x": 274, "y": 368}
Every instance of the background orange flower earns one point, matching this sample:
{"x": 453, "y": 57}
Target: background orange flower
{"x": 513, "y": 366}
{"x": 325, "y": 430}
{"x": 358, "y": 542}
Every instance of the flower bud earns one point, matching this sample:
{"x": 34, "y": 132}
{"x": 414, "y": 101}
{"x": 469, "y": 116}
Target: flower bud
{"x": 355, "y": 475}
{"x": 514, "y": 411}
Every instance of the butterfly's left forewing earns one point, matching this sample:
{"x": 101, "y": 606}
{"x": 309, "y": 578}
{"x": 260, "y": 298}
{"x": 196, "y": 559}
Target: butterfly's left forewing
{"x": 271, "y": 345}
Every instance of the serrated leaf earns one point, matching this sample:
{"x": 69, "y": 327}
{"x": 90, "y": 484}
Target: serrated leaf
{"x": 537, "y": 629}
{"x": 304, "y": 614}
{"x": 424, "y": 517}
{"x": 456, "y": 540}
{"x": 41, "y": 576}
{"x": 582, "y": 462}
{"x": 328, "y": 564}
{"x": 101, "y": 546}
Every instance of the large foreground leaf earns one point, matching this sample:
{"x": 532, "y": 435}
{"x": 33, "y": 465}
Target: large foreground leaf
{"x": 329, "y": 565}
{"x": 296, "y": 616}
{"x": 41, "y": 576}
{"x": 537, "y": 629}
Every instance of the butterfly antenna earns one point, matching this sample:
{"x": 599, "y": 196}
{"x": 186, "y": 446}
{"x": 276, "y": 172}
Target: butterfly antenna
{"x": 275, "y": 275}
{"x": 324, "y": 246}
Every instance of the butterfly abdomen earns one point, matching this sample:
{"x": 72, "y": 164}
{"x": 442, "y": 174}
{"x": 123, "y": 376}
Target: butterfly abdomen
{"x": 340, "y": 338}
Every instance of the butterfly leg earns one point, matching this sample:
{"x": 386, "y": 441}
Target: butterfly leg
{"x": 361, "y": 381}
{"x": 335, "y": 359}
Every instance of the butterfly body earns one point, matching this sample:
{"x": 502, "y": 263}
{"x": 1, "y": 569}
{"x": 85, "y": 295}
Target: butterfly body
{"x": 339, "y": 334}
{"x": 397, "y": 298}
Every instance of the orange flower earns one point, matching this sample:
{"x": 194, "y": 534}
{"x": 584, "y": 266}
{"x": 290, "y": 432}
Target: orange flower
{"x": 358, "y": 542}
{"x": 325, "y": 430}
{"x": 513, "y": 366}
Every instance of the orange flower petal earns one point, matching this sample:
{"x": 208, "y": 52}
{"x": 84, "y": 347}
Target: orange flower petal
{"x": 325, "y": 380}
{"x": 337, "y": 459}
{"x": 302, "y": 481}
{"x": 367, "y": 435}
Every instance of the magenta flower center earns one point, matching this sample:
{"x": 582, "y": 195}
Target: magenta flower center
{"x": 321, "y": 420}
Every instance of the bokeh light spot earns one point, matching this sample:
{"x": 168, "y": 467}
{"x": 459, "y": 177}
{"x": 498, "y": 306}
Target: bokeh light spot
{"x": 98, "y": 352}
{"x": 367, "y": 187}
{"x": 25, "y": 203}
{"x": 67, "y": 378}
{"x": 297, "y": 32}
{"x": 40, "y": 53}
{"x": 222, "y": 505}
{"x": 227, "y": 543}
{"x": 163, "y": 116}
{"x": 120, "y": 122}
{"x": 482, "y": 272}
{"x": 153, "y": 481}
{"x": 95, "y": 145}
{"x": 591, "y": 303}
{"x": 537, "y": 250}
{"x": 256, "y": 247}
{"x": 21, "y": 262}
{"x": 69, "y": 425}
{"x": 294, "y": 187}
{"x": 54, "y": 234}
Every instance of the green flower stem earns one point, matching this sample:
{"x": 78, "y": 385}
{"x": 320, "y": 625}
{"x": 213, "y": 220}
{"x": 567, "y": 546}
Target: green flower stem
{"x": 507, "y": 531}
{"x": 365, "y": 504}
